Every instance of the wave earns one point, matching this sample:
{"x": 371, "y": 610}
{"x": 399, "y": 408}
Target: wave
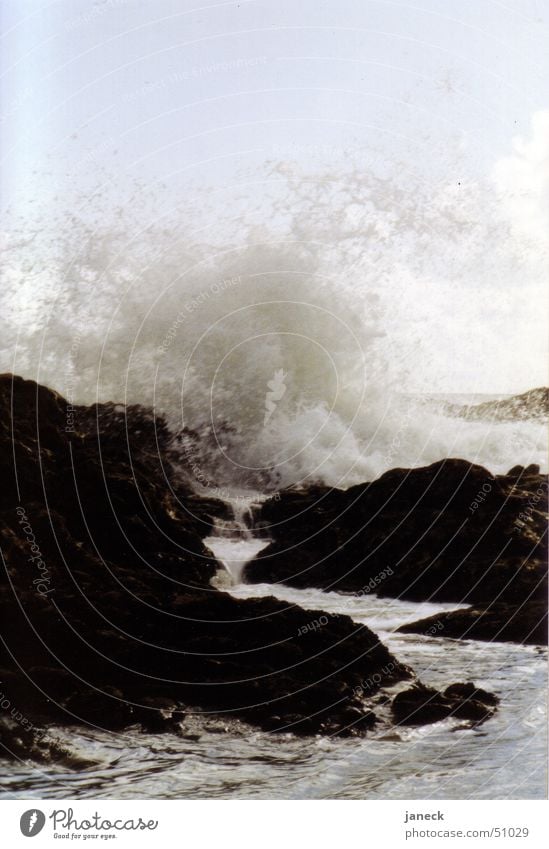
{"x": 295, "y": 336}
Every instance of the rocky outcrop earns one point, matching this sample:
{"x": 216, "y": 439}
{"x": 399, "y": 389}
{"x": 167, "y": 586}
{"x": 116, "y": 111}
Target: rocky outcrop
{"x": 108, "y": 615}
{"x": 525, "y": 623}
{"x": 420, "y": 705}
{"x": 21, "y": 744}
{"x": 531, "y": 405}
{"x": 449, "y": 532}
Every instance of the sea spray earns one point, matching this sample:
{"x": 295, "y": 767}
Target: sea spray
{"x": 195, "y": 310}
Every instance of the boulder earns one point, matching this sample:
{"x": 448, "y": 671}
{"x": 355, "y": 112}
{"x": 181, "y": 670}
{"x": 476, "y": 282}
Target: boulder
{"x": 448, "y": 532}
{"x": 516, "y": 623}
{"x": 422, "y": 705}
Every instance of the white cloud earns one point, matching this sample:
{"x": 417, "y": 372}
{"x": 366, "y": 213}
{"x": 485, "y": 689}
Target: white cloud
{"x": 522, "y": 182}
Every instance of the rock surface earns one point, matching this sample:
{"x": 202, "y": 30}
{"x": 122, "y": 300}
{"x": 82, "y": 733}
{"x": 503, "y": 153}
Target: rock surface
{"x": 108, "y": 615}
{"x": 420, "y": 705}
{"x": 449, "y": 532}
{"x": 531, "y": 405}
{"x": 20, "y": 743}
{"x": 526, "y": 623}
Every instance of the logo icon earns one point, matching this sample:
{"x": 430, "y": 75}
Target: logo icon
{"x": 32, "y": 822}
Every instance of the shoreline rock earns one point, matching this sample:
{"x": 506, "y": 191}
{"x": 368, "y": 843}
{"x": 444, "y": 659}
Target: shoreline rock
{"x": 526, "y": 623}
{"x": 18, "y": 743}
{"x": 533, "y": 404}
{"x": 449, "y": 532}
{"x": 420, "y": 705}
{"x": 108, "y": 614}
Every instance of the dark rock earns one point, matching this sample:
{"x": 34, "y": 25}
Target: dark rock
{"x": 106, "y": 709}
{"x": 421, "y": 705}
{"x": 516, "y": 623}
{"x": 449, "y": 532}
{"x": 21, "y": 744}
{"x": 158, "y": 714}
{"x": 470, "y": 691}
{"x": 524, "y": 471}
{"x": 116, "y": 607}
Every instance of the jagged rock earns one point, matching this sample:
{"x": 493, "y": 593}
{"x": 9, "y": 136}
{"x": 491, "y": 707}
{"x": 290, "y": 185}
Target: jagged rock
{"x": 531, "y": 405}
{"x": 421, "y": 705}
{"x": 470, "y": 691}
{"x": 158, "y": 714}
{"x": 116, "y": 606}
{"x": 20, "y": 744}
{"x": 523, "y": 471}
{"x": 525, "y": 623}
{"x": 449, "y": 532}
{"x": 106, "y": 708}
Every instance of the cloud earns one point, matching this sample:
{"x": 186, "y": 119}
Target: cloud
{"x": 522, "y": 183}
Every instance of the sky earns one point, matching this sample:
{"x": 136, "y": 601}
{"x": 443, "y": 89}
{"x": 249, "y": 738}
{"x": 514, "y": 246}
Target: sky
{"x": 191, "y": 99}
{"x": 158, "y": 85}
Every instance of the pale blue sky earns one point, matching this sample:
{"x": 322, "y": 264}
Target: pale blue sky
{"x": 158, "y": 86}
{"x": 445, "y": 99}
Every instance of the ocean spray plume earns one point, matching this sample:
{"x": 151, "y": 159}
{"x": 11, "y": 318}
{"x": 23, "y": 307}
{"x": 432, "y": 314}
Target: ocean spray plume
{"x": 357, "y": 288}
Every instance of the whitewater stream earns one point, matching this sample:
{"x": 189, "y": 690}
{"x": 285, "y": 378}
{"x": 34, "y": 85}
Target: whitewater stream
{"x": 505, "y": 758}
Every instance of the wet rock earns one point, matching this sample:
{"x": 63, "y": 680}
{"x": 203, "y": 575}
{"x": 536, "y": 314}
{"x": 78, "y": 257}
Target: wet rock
{"x": 517, "y": 623}
{"x": 116, "y": 608}
{"x": 449, "y": 532}
{"x": 21, "y": 744}
{"x": 158, "y": 714}
{"x": 357, "y": 721}
{"x": 422, "y": 705}
{"x": 468, "y": 690}
{"x": 107, "y": 709}
{"x": 523, "y": 471}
